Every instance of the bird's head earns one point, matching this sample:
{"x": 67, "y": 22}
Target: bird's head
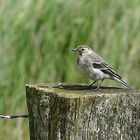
{"x": 82, "y": 50}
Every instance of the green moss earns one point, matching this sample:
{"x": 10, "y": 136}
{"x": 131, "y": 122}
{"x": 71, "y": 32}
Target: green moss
{"x": 71, "y": 93}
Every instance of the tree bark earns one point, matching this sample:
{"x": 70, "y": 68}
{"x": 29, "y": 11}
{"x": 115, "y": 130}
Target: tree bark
{"x": 71, "y": 112}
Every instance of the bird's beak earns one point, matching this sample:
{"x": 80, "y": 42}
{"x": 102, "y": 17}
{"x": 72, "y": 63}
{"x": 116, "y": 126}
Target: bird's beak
{"x": 74, "y": 50}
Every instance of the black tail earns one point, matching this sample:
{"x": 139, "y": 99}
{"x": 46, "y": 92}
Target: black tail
{"x": 123, "y": 83}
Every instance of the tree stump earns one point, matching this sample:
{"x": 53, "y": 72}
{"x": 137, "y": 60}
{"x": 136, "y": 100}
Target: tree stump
{"x": 72, "y": 112}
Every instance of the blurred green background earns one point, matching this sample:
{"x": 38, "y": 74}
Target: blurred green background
{"x": 36, "y": 38}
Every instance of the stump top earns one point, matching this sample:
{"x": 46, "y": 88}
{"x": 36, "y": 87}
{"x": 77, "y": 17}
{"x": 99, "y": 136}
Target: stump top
{"x": 74, "y": 90}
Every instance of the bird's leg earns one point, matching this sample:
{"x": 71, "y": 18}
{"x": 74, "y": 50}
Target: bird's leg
{"x": 92, "y": 83}
{"x": 99, "y": 84}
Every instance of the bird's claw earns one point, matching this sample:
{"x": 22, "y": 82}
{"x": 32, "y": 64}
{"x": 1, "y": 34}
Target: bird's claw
{"x": 97, "y": 88}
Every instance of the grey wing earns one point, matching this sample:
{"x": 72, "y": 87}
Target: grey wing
{"x": 106, "y": 69}
{"x": 99, "y": 63}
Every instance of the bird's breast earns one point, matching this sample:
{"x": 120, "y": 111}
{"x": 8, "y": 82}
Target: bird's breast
{"x": 86, "y": 67}
{"x": 81, "y": 61}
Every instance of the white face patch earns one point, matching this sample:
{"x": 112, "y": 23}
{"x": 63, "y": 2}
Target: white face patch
{"x": 83, "y": 51}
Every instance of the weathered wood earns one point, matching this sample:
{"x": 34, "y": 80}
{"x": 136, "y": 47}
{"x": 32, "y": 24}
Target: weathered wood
{"x": 70, "y": 113}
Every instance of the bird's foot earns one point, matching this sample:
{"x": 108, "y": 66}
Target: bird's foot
{"x": 97, "y": 88}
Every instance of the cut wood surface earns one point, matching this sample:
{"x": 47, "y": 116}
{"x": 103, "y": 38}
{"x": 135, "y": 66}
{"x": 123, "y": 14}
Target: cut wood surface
{"x": 74, "y": 112}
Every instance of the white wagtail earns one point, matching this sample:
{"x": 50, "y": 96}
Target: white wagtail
{"x": 95, "y": 66}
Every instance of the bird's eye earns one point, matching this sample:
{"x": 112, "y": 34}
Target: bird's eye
{"x": 82, "y": 49}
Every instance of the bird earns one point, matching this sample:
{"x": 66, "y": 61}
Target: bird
{"x": 95, "y": 67}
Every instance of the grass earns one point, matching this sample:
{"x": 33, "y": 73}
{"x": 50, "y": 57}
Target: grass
{"x": 36, "y": 38}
